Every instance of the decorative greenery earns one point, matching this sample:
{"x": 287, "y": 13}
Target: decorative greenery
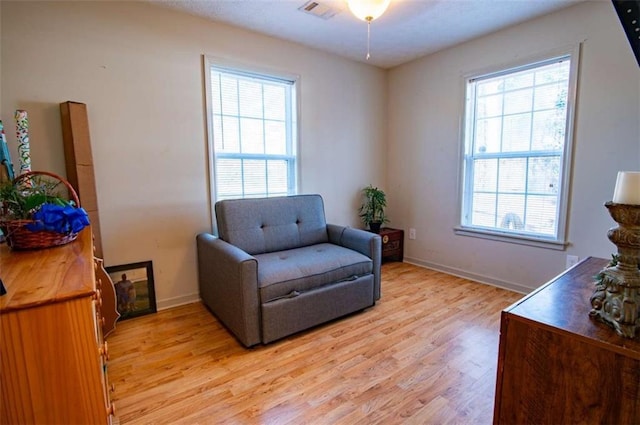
{"x": 372, "y": 210}
{"x": 19, "y": 202}
{"x": 40, "y": 200}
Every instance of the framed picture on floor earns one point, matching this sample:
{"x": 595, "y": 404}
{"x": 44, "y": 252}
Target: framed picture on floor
{"x": 135, "y": 292}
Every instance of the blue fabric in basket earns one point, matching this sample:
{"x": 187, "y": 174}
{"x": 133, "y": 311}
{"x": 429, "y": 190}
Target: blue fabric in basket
{"x": 60, "y": 219}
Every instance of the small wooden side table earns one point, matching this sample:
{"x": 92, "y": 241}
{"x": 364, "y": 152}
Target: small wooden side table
{"x": 392, "y": 244}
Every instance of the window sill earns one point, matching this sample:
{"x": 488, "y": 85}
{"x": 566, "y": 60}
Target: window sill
{"x": 509, "y": 238}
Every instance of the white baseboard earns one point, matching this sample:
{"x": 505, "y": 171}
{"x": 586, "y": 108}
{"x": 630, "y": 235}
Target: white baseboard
{"x": 195, "y": 297}
{"x": 177, "y": 301}
{"x": 471, "y": 276}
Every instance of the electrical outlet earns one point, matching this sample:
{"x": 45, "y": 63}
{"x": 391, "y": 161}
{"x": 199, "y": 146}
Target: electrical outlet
{"x": 412, "y": 233}
{"x": 572, "y": 260}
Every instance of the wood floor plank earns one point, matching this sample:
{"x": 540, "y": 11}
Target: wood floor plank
{"x": 426, "y": 353}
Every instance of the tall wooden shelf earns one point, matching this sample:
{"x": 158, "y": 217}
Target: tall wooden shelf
{"x": 556, "y": 365}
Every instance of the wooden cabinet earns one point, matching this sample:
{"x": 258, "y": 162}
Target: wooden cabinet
{"x": 556, "y": 365}
{"x": 52, "y": 353}
{"x": 392, "y": 244}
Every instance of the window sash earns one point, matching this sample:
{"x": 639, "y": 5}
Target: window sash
{"x": 241, "y": 135}
{"x": 472, "y": 154}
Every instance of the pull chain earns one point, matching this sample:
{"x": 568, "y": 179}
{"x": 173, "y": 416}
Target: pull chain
{"x": 369, "y": 19}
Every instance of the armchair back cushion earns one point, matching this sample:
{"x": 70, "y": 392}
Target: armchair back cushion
{"x": 273, "y": 224}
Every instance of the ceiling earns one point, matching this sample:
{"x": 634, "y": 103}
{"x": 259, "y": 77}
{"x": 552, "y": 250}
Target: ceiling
{"x": 407, "y": 30}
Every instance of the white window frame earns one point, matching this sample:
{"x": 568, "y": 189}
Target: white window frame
{"x": 559, "y": 241}
{"x": 266, "y": 74}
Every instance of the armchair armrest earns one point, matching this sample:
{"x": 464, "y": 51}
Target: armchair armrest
{"x": 366, "y": 243}
{"x": 228, "y": 282}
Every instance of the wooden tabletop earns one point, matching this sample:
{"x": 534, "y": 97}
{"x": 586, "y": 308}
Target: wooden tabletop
{"x": 48, "y": 275}
{"x": 563, "y": 304}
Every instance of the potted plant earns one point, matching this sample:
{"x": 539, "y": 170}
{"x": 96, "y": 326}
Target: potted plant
{"x": 35, "y": 214}
{"x": 372, "y": 210}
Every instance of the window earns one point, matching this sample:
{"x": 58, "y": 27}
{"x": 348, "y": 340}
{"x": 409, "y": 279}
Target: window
{"x": 517, "y": 152}
{"x": 254, "y": 130}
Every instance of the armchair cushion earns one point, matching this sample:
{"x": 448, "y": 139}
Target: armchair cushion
{"x": 286, "y": 274}
{"x": 272, "y": 224}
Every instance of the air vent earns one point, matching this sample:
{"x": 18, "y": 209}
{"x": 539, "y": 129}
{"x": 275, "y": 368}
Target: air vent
{"x": 318, "y": 9}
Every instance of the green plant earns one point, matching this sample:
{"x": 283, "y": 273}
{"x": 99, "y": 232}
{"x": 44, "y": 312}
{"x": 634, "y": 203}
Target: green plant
{"x": 372, "y": 210}
{"x": 20, "y": 201}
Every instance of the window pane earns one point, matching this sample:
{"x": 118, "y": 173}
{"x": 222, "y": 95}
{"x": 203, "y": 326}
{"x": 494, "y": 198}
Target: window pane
{"x": 548, "y": 130}
{"x": 274, "y": 102}
{"x": 489, "y": 106}
{"x": 550, "y": 97}
{"x": 230, "y": 135}
{"x": 544, "y": 175}
{"x": 218, "y": 140}
{"x": 517, "y": 133}
{"x": 553, "y": 72}
{"x": 489, "y": 87}
{"x": 488, "y": 135}
{"x": 215, "y": 93}
{"x": 254, "y": 175}
{"x": 250, "y": 94}
{"x": 485, "y": 176}
{"x": 484, "y": 210}
{"x": 518, "y": 101}
{"x": 541, "y": 217}
{"x": 229, "y": 90}
{"x": 252, "y": 135}
{"x": 275, "y": 137}
{"x": 229, "y": 178}
{"x": 511, "y": 212}
{"x": 277, "y": 171}
{"x": 518, "y": 80}
{"x": 513, "y": 174}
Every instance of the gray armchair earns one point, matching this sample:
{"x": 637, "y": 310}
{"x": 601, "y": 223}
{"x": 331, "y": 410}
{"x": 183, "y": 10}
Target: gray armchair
{"x": 278, "y": 268}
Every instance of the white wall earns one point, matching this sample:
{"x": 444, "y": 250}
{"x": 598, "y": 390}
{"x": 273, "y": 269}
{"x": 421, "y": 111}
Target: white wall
{"x": 426, "y": 104}
{"x": 138, "y": 68}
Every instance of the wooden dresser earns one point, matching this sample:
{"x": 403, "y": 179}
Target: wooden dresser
{"x": 558, "y": 366}
{"x": 52, "y": 352}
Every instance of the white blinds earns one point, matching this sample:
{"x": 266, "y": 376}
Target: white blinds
{"x": 516, "y": 135}
{"x": 253, "y": 121}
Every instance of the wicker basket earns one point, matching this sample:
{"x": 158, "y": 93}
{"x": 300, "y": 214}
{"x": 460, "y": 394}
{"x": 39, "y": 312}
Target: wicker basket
{"x": 19, "y": 237}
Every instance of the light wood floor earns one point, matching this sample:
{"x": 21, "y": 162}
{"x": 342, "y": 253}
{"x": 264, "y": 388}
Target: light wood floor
{"x": 425, "y": 354}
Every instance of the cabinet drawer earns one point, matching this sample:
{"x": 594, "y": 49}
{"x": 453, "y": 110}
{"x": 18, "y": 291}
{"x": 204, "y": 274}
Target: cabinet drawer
{"x": 391, "y": 245}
